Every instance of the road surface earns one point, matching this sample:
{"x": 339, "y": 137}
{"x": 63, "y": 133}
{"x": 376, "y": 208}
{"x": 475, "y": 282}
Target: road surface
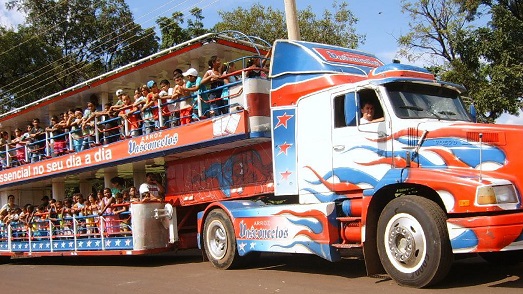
{"x": 185, "y": 272}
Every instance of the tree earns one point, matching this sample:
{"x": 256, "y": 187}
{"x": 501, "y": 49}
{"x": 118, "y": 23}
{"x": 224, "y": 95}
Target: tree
{"x": 488, "y": 60}
{"x": 269, "y": 24}
{"x": 499, "y": 46}
{"x": 172, "y": 32}
{"x": 436, "y": 27}
{"x": 18, "y": 66}
{"x": 87, "y": 38}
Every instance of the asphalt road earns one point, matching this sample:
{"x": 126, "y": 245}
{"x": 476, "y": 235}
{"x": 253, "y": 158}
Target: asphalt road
{"x": 185, "y": 272}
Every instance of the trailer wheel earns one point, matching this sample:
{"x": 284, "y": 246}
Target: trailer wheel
{"x": 413, "y": 243}
{"x": 219, "y": 240}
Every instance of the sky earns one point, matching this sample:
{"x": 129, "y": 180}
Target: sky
{"x": 381, "y": 21}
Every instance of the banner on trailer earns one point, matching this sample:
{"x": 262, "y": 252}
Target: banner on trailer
{"x": 126, "y": 150}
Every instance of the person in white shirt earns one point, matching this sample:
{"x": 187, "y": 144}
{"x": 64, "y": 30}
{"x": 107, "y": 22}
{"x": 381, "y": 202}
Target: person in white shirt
{"x": 151, "y": 189}
{"x": 367, "y": 114}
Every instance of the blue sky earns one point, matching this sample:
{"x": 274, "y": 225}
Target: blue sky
{"x": 381, "y": 21}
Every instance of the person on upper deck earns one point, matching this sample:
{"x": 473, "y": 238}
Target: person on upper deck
{"x": 75, "y": 124}
{"x": 215, "y": 80}
{"x": 4, "y": 142}
{"x": 150, "y": 112}
{"x": 186, "y": 103}
{"x": 196, "y": 85}
{"x": 56, "y": 131}
{"x": 19, "y": 143}
{"x": 37, "y": 137}
{"x": 168, "y": 109}
{"x": 128, "y": 113}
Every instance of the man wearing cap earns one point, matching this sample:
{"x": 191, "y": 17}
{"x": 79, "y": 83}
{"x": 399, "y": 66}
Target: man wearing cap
{"x": 119, "y": 103}
{"x": 151, "y": 189}
{"x": 196, "y": 85}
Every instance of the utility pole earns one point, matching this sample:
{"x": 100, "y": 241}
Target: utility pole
{"x": 292, "y": 20}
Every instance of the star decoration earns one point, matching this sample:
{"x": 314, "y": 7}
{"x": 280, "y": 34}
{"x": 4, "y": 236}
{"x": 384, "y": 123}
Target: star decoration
{"x": 283, "y": 148}
{"x": 282, "y": 120}
{"x": 241, "y": 246}
{"x": 252, "y": 245}
{"x": 285, "y": 175}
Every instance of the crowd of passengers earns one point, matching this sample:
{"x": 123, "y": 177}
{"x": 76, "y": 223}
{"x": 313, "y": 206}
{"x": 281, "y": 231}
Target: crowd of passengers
{"x": 111, "y": 203}
{"x": 152, "y": 107}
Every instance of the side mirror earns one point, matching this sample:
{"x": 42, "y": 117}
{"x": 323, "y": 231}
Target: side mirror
{"x": 473, "y": 113}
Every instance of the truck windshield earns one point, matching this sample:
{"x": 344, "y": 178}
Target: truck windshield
{"x": 411, "y": 100}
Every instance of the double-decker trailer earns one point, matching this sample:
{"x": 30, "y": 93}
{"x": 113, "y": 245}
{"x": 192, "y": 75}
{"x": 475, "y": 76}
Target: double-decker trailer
{"x": 334, "y": 154}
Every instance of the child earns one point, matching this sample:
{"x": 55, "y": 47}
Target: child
{"x": 150, "y": 112}
{"x": 185, "y": 102}
{"x": 132, "y": 119}
{"x": 169, "y": 107}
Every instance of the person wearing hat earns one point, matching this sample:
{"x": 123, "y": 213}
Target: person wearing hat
{"x": 119, "y": 103}
{"x": 196, "y": 84}
{"x": 150, "y": 112}
{"x": 151, "y": 189}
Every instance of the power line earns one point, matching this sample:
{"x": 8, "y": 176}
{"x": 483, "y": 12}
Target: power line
{"x": 50, "y": 65}
{"x": 77, "y": 69}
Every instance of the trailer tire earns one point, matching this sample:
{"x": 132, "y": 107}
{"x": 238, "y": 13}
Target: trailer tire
{"x": 219, "y": 241}
{"x": 413, "y": 242}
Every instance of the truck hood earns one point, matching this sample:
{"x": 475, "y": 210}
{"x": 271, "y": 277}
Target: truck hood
{"x": 454, "y": 157}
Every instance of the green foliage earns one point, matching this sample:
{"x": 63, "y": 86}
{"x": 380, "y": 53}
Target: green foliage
{"x": 488, "y": 60}
{"x": 80, "y": 38}
{"x": 172, "y": 31}
{"x": 336, "y": 28}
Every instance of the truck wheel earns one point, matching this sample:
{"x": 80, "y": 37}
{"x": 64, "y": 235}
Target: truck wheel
{"x": 413, "y": 242}
{"x": 219, "y": 240}
{"x": 503, "y": 258}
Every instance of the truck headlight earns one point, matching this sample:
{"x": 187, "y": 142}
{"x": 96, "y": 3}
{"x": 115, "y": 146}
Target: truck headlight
{"x": 496, "y": 194}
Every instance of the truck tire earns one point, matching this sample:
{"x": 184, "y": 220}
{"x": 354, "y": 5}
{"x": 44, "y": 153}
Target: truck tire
{"x": 219, "y": 241}
{"x": 413, "y": 242}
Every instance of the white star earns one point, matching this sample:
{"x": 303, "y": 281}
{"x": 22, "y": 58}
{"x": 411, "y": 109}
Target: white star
{"x": 241, "y": 246}
{"x": 63, "y": 244}
{"x": 26, "y": 246}
{"x": 252, "y": 245}
{"x": 97, "y": 243}
{"x": 117, "y": 242}
{"x": 47, "y": 245}
{"x": 41, "y": 245}
{"x": 81, "y": 243}
{"x": 19, "y": 246}
{"x": 71, "y": 244}
{"x": 34, "y": 245}
{"x": 108, "y": 243}
{"x": 127, "y": 242}
{"x": 89, "y": 243}
{"x": 55, "y": 245}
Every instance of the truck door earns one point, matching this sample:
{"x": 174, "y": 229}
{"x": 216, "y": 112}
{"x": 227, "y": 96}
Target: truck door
{"x": 361, "y": 149}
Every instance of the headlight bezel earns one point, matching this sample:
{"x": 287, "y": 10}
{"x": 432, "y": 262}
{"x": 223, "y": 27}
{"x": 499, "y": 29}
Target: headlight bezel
{"x": 500, "y": 194}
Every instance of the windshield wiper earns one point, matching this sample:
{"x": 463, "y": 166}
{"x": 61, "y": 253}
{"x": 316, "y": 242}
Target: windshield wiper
{"x": 447, "y": 112}
{"x": 412, "y": 107}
